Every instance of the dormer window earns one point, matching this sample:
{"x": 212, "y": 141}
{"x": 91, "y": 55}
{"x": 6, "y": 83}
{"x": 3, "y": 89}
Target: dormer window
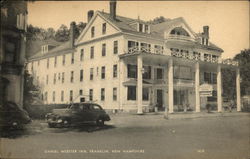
{"x": 204, "y": 41}
{"x": 45, "y": 49}
{"x": 144, "y": 28}
{"x": 179, "y": 31}
{"x": 140, "y": 27}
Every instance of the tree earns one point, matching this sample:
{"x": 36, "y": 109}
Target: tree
{"x": 229, "y": 83}
{"x": 244, "y": 63}
{"x": 158, "y": 20}
{"x": 62, "y": 34}
{"x": 229, "y": 75}
{"x": 50, "y": 33}
{"x": 31, "y": 91}
{"x": 79, "y": 28}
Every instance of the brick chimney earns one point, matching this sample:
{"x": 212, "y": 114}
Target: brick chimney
{"x": 206, "y": 31}
{"x": 112, "y": 7}
{"x": 72, "y": 34}
{"x": 90, "y": 14}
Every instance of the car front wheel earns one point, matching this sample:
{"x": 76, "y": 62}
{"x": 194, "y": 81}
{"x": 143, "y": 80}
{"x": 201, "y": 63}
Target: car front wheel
{"x": 100, "y": 122}
{"x": 66, "y": 123}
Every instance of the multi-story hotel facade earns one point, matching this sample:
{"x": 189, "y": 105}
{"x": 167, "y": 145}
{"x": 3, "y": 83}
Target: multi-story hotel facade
{"x": 128, "y": 64}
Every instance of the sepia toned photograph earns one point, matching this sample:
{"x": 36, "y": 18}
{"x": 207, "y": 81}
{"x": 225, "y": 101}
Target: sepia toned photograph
{"x": 124, "y": 79}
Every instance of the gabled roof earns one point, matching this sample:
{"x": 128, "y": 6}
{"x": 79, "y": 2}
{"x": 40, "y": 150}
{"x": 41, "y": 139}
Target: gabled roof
{"x": 51, "y": 42}
{"x": 124, "y": 25}
{"x": 195, "y": 45}
{"x": 157, "y": 30}
{"x": 34, "y": 45}
{"x": 64, "y": 47}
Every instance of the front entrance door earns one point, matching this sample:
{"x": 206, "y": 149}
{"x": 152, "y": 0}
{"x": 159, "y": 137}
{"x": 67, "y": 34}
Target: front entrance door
{"x": 180, "y": 99}
{"x": 159, "y": 99}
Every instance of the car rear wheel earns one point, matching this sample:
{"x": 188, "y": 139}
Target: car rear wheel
{"x": 100, "y": 122}
{"x": 50, "y": 125}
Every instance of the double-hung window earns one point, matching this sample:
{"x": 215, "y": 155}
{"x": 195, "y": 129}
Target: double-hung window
{"x": 81, "y": 75}
{"x": 114, "y": 71}
{"x": 115, "y": 47}
{"x": 104, "y": 25}
{"x": 92, "y": 52}
{"x": 81, "y": 54}
{"x": 102, "y": 94}
{"x": 103, "y": 49}
{"x": 103, "y": 72}
{"x": 91, "y": 76}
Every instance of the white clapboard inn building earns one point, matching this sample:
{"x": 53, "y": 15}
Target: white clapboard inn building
{"x": 129, "y": 64}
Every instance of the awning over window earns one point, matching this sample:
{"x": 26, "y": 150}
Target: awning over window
{"x": 133, "y": 82}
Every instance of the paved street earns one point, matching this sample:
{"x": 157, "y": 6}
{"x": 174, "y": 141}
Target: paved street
{"x": 130, "y": 136}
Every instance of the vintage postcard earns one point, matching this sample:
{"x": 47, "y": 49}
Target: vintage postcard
{"x": 124, "y": 79}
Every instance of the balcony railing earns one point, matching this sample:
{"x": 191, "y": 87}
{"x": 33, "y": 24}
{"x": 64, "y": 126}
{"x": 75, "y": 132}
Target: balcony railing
{"x": 145, "y": 49}
{"x": 178, "y": 37}
{"x": 211, "y": 59}
{"x": 184, "y": 55}
{"x": 133, "y": 49}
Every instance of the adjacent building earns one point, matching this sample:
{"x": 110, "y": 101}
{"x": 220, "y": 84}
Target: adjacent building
{"x": 129, "y": 64}
{"x": 12, "y": 51}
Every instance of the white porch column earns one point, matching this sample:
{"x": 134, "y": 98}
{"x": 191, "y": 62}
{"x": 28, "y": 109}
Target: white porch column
{"x": 219, "y": 92}
{"x": 238, "y": 89}
{"x": 197, "y": 87}
{"x": 170, "y": 87}
{"x": 139, "y": 84}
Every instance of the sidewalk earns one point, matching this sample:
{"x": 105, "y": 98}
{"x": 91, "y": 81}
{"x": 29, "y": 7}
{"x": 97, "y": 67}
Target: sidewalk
{"x": 187, "y": 115}
{"x": 190, "y": 115}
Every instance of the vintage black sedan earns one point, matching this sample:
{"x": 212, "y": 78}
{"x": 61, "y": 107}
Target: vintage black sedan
{"x": 77, "y": 114}
{"x": 12, "y": 116}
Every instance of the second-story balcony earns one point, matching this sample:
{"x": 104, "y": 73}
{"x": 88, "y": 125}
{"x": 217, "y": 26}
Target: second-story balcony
{"x": 184, "y": 54}
{"x": 178, "y": 37}
{"x": 145, "y": 49}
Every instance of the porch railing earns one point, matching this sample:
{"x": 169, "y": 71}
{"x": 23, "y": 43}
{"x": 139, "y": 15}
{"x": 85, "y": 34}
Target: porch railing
{"x": 184, "y": 81}
{"x": 185, "y": 55}
{"x": 230, "y": 62}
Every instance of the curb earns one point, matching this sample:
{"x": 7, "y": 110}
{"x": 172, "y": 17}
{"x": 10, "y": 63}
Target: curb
{"x": 217, "y": 115}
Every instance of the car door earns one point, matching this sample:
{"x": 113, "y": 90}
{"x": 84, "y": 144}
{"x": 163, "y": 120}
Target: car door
{"x": 86, "y": 112}
{"x": 95, "y": 112}
{"x": 76, "y": 116}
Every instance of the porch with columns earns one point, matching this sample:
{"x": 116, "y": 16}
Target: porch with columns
{"x": 169, "y": 61}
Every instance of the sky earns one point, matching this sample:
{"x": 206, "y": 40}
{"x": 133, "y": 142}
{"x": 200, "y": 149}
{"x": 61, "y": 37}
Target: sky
{"x": 228, "y": 21}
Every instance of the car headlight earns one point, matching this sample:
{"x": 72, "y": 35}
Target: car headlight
{"x": 59, "y": 120}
